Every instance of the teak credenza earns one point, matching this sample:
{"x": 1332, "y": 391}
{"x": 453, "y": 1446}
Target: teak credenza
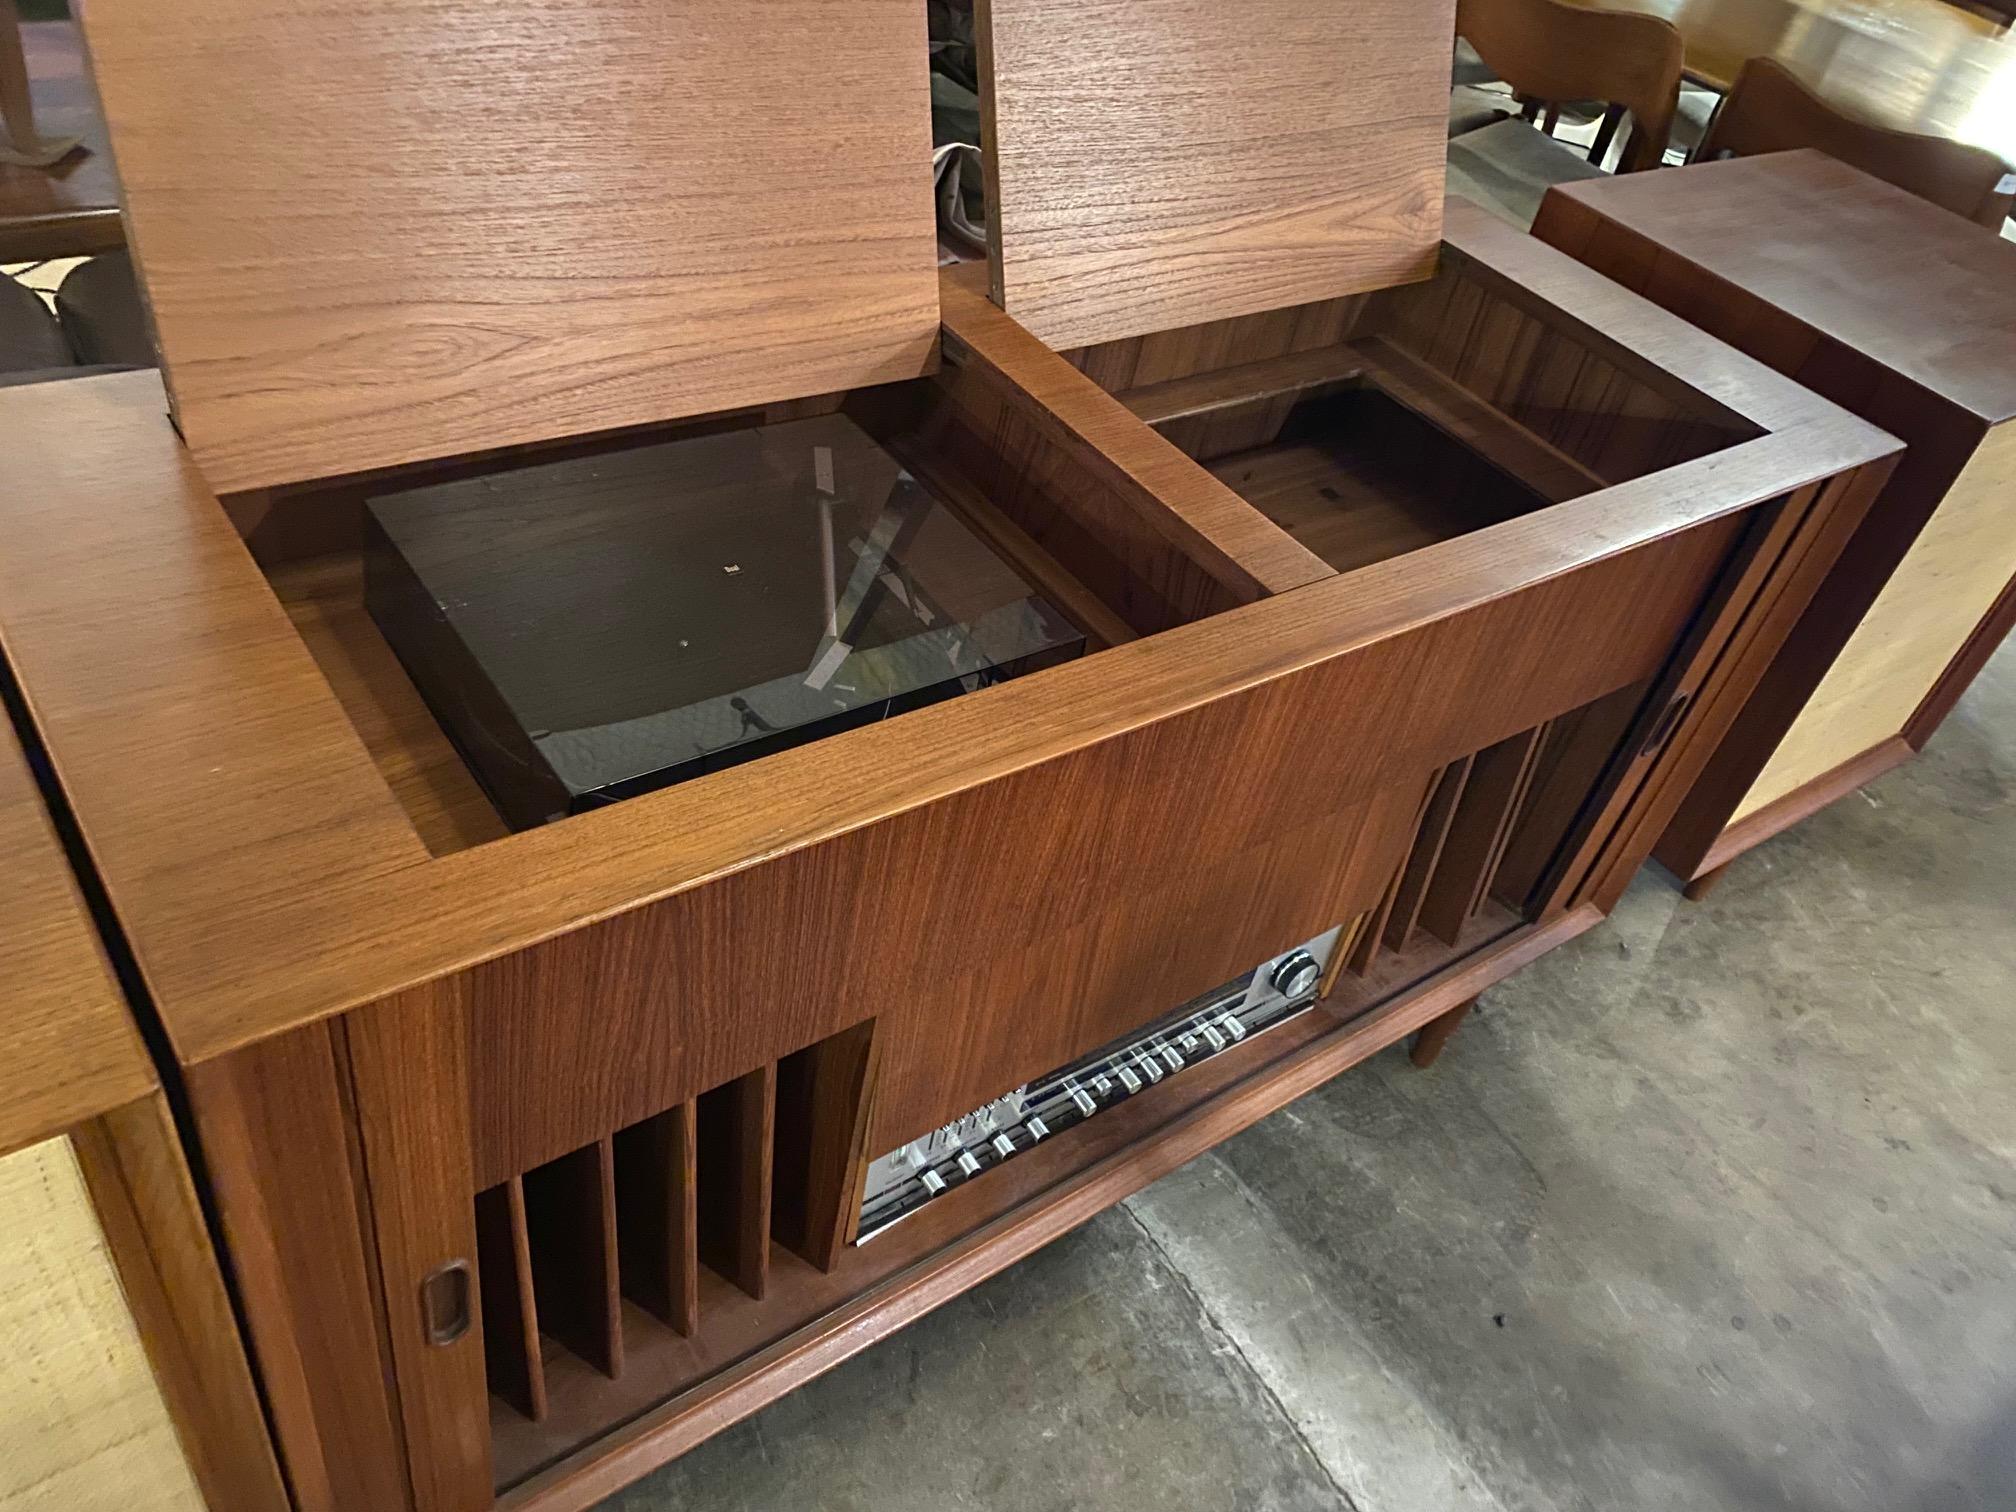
{"x": 127, "y": 1382}
{"x": 1906, "y": 315}
{"x": 1418, "y": 575}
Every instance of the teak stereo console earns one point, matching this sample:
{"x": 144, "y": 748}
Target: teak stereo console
{"x": 1417, "y": 568}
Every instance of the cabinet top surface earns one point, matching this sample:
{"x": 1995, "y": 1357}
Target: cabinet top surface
{"x": 68, "y": 1048}
{"x": 1920, "y": 291}
{"x": 472, "y": 224}
{"x": 266, "y": 877}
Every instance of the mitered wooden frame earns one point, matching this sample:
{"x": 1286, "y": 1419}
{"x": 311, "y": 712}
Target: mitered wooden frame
{"x": 319, "y": 971}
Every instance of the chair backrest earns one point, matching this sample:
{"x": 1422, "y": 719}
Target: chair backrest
{"x": 1770, "y": 110}
{"x": 1554, "y": 52}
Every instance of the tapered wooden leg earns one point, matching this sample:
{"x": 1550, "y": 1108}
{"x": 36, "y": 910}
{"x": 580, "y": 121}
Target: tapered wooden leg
{"x": 1704, "y": 884}
{"x": 1429, "y": 1042}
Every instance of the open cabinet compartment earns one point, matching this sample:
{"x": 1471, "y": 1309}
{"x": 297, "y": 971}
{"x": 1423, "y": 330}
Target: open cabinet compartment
{"x": 1104, "y": 559}
{"x": 1374, "y": 425}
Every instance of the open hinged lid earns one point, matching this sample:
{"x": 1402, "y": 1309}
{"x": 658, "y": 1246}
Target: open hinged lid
{"x": 374, "y": 235}
{"x": 1167, "y": 162}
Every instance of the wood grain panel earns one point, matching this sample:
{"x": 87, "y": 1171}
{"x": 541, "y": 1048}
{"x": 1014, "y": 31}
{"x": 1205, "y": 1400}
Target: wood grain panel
{"x": 1577, "y": 419}
{"x": 154, "y": 1228}
{"x": 68, "y": 1048}
{"x": 275, "y": 1130}
{"x": 409, "y": 1071}
{"x": 84, "y": 1423}
{"x": 1158, "y": 942}
{"x": 1947, "y": 582}
{"x": 624, "y": 231}
{"x": 1093, "y": 431}
{"x": 1167, "y": 162}
{"x": 272, "y": 767}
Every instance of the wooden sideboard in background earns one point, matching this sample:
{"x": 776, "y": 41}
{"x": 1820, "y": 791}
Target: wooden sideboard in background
{"x": 1906, "y": 315}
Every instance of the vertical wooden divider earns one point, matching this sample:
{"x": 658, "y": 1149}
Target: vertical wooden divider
{"x": 1514, "y": 811}
{"x": 1420, "y": 870}
{"x": 735, "y": 1126}
{"x": 825, "y": 1094}
{"x": 511, "y": 1355}
{"x": 1476, "y": 835}
{"x": 658, "y": 1227}
{"x": 1366, "y": 950}
{"x": 570, "y": 1210}
{"x": 1580, "y": 744}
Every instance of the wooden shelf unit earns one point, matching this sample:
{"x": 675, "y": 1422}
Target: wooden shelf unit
{"x": 539, "y": 1153}
{"x": 1905, "y": 315}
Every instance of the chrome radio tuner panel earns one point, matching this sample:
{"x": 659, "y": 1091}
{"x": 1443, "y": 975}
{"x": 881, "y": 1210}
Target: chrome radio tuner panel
{"x": 908, "y": 1177}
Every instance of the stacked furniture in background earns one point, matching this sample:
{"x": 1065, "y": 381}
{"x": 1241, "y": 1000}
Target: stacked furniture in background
{"x": 1420, "y": 569}
{"x": 1553, "y": 54}
{"x": 1906, "y": 315}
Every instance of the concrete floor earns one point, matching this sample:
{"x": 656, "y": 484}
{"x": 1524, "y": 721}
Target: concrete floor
{"x": 1714, "y": 1208}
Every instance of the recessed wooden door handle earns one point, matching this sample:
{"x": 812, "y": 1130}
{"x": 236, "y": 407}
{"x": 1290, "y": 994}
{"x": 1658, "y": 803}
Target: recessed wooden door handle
{"x": 444, "y": 1302}
{"x": 1669, "y": 721}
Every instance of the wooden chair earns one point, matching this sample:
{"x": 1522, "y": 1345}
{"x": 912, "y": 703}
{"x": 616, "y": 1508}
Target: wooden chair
{"x": 1553, "y": 55}
{"x": 1771, "y": 110}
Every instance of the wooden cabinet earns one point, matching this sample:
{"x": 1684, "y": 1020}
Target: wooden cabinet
{"x": 1907, "y": 316}
{"x": 1410, "y": 610}
{"x": 127, "y": 1384}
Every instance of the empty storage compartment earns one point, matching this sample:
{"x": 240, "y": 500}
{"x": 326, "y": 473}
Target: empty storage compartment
{"x": 1372, "y": 426}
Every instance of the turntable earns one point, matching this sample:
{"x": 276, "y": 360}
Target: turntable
{"x": 598, "y": 627}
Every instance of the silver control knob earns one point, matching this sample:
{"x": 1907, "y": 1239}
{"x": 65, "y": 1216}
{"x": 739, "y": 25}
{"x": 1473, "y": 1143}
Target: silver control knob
{"x": 1084, "y": 1100}
{"x": 1295, "y": 973}
{"x": 933, "y": 1182}
{"x": 1003, "y": 1145}
{"x": 968, "y": 1164}
{"x": 1037, "y": 1128}
{"x": 1128, "y": 1080}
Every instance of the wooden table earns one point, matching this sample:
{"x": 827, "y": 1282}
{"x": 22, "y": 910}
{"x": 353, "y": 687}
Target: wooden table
{"x": 1919, "y": 65}
{"x": 72, "y": 209}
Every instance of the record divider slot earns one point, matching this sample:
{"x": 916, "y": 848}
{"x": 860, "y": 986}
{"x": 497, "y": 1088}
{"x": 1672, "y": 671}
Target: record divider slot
{"x": 736, "y": 1127}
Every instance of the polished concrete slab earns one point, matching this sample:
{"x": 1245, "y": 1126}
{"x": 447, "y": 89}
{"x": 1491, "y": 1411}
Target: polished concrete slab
{"x": 1713, "y": 1208}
